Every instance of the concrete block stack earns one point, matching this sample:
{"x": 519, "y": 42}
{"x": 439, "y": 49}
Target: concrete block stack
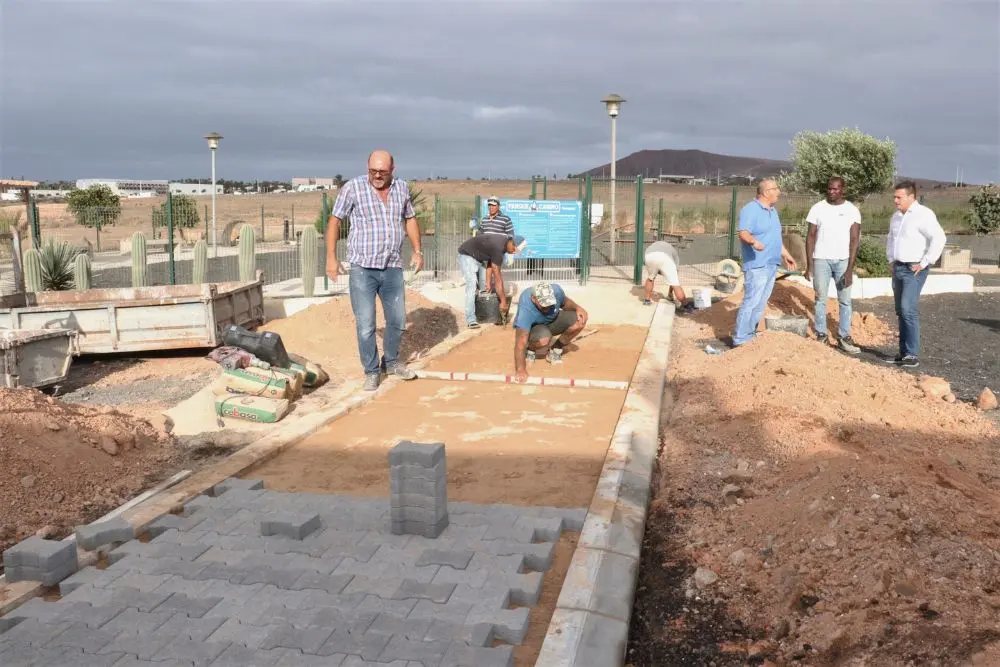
{"x": 37, "y": 559}
{"x": 419, "y": 482}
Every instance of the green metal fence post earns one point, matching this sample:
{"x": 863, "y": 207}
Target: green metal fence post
{"x": 293, "y": 222}
{"x": 324, "y": 221}
{"x": 640, "y": 225}
{"x": 732, "y": 223}
{"x": 545, "y": 188}
{"x": 586, "y": 240}
{"x": 659, "y": 221}
{"x": 437, "y": 233}
{"x": 579, "y": 189}
{"x": 479, "y": 208}
{"x": 534, "y": 184}
{"x": 261, "y": 223}
{"x": 170, "y": 240}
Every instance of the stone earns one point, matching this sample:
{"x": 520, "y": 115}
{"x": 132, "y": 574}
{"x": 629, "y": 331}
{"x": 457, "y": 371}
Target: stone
{"x": 53, "y": 426}
{"x": 738, "y": 557}
{"x": 703, "y": 577}
{"x": 28, "y": 481}
{"x": 731, "y": 491}
{"x": 987, "y": 400}
{"x": 949, "y": 398}
{"x": 934, "y": 387}
{"x": 108, "y": 444}
{"x": 58, "y": 498}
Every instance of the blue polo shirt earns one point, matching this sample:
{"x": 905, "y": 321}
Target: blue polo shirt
{"x": 528, "y": 314}
{"x": 765, "y": 226}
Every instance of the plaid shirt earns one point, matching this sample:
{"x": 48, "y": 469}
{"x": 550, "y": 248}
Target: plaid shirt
{"x": 376, "y": 235}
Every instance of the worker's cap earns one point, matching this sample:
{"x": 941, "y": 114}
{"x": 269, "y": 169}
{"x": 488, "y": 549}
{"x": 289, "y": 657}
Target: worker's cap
{"x": 493, "y": 201}
{"x": 544, "y": 294}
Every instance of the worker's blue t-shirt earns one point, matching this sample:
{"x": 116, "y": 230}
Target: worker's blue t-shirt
{"x": 528, "y": 314}
{"x": 765, "y": 226}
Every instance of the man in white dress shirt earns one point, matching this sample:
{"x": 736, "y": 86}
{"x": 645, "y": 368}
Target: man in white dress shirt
{"x": 915, "y": 242}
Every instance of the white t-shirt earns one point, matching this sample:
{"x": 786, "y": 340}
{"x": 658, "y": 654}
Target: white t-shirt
{"x": 833, "y": 233}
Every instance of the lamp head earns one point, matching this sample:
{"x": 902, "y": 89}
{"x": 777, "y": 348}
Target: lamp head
{"x": 614, "y": 104}
{"x": 213, "y": 140}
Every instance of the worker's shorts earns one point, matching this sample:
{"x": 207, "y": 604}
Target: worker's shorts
{"x": 557, "y": 327}
{"x": 660, "y": 263}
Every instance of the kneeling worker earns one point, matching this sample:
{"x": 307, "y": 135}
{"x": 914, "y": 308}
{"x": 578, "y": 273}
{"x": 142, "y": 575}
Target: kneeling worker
{"x": 544, "y": 313}
{"x": 484, "y": 250}
{"x": 661, "y": 259}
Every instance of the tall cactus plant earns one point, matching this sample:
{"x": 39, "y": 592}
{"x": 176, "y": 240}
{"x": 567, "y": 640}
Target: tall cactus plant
{"x": 199, "y": 269}
{"x": 248, "y": 257}
{"x": 33, "y": 271}
{"x": 138, "y": 260}
{"x": 81, "y": 272}
{"x": 307, "y": 259}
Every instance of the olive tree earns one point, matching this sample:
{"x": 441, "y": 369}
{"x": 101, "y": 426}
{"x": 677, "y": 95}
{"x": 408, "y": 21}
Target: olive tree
{"x": 866, "y": 164}
{"x": 97, "y": 206}
{"x": 985, "y": 216}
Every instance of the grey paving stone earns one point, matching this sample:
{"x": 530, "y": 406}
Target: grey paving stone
{"x": 74, "y": 658}
{"x": 292, "y": 525}
{"x": 39, "y": 553}
{"x": 177, "y": 584}
{"x": 241, "y": 656}
{"x": 509, "y": 625}
{"x": 293, "y": 658}
{"x": 479, "y": 634}
{"x": 147, "y": 583}
{"x": 410, "y": 589}
{"x": 191, "y": 651}
{"x": 382, "y": 587}
{"x": 142, "y": 646}
{"x": 237, "y": 483}
{"x": 308, "y": 640}
{"x": 241, "y": 634}
{"x": 457, "y": 559}
{"x": 89, "y": 575}
{"x": 375, "y": 605}
{"x": 439, "y": 498}
{"x": 102, "y": 533}
{"x": 180, "y": 626}
{"x": 536, "y": 556}
{"x": 419, "y": 482}
{"x": 137, "y": 622}
{"x": 424, "y": 454}
{"x": 277, "y": 577}
{"x": 420, "y": 528}
{"x": 331, "y": 583}
{"x": 429, "y": 515}
{"x": 463, "y": 655}
{"x": 47, "y": 577}
{"x": 189, "y": 606}
{"x": 428, "y": 652}
{"x": 544, "y": 529}
{"x": 390, "y": 624}
{"x": 167, "y": 522}
{"x": 452, "y": 612}
{"x": 366, "y": 645}
{"x": 132, "y": 661}
{"x": 79, "y": 636}
{"x": 85, "y": 614}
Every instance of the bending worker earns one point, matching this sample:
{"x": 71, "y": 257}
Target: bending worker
{"x": 544, "y": 313}
{"x": 479, "y": 252}
{"x": 661, "y": 259}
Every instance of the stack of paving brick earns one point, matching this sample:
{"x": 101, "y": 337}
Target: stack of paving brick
{"x": 37, "y": 559}
{"x": 418, "y": 475}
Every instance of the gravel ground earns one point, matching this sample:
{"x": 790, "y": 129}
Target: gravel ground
{"x": 959, "y": 339}
{"x": 170, "y": 390}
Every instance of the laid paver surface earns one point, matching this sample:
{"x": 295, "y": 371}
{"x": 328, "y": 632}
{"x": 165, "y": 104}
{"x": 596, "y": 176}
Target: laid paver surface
{"x": 210, "y": 589}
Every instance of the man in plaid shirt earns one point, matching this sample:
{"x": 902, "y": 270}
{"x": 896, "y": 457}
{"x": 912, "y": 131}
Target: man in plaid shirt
{"x": 380, "y": 211}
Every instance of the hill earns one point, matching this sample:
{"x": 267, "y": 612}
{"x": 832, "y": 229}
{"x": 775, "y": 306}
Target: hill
{"x": 695, "y": 163}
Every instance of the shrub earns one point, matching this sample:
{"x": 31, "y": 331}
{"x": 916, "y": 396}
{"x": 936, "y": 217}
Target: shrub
{"x": 58, "y": 262}
{"x": 985, "y": 216}
{"x": 871, "y": 261}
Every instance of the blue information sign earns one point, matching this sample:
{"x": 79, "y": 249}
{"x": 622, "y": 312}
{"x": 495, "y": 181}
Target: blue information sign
{"x": 551, "y": 228}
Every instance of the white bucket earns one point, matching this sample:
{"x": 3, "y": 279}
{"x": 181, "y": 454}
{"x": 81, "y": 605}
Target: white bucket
{"x": 703, "y": 298}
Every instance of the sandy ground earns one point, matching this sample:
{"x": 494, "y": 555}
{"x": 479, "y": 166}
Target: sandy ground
{"x": 609, "y": 353}
{"x": 522, "y": 445}
{"x": 815, "y": 509}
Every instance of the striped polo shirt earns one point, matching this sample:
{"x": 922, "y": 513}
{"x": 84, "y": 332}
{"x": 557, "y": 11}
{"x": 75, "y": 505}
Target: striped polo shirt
{"x": 500, "y": 224}
{"x": 375, "y": 238}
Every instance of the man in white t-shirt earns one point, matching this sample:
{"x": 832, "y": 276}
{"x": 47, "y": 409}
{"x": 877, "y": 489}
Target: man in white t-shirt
{"x": 661, "y": 259}
{"x": 831, "y": 248}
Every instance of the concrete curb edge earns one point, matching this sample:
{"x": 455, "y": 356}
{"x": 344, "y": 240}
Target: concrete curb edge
{"x": 591, "y": 620}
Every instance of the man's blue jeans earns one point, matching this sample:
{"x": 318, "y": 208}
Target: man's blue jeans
{"x": 757, "y": 286}
{"x": 823, "y": 271}
{"x": 906, "y": 287}
{"x": 470, "y": 273}
{"x": 363, "y": 285}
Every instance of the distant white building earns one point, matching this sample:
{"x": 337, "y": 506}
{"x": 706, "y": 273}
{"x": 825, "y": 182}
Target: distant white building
{"x": 126, "y": 187}
{"x": 308, "y": 184}
{"x": 194, "y": 188}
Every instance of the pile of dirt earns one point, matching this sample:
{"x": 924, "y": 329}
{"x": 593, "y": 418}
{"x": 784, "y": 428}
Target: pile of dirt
{"x": 795, "y": 299}
{"x": 64, "y": 465}
{"x": 836, "y": 511}
{"x": 325, "y": 333}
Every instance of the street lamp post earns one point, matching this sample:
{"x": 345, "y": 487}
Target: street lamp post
{"x": 213, "y": 143}
{"x": 613, "y": 103}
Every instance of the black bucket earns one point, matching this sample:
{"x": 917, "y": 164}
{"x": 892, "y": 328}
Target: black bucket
{"x": 487, "y": 308}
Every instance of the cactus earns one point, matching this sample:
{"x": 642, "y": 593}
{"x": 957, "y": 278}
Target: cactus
{"x": 138, "y": 260}
{"x": 248, "y": 257}
{"x": 308, "y": 258}
{"x": 199, "y": 268}
{"x": 33, "y": 271}
{"x": 81, "y": 272}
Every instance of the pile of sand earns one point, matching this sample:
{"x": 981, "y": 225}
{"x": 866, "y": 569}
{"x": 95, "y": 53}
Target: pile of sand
{"x": 849, "y": 516}
{"x": 795, "y": 299}
{"x": 67, "y": 464}
{"x": 325, "y": 333}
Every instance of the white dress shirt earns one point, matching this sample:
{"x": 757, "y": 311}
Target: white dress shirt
{"x": 915, "y": 237}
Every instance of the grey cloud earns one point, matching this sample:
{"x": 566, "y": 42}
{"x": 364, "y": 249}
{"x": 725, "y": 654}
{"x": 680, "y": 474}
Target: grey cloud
{"x": 460, "y": 88}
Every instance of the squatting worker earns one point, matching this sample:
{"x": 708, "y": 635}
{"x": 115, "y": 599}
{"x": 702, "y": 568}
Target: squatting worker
{"x": 497, "y": 223}
{"x": 484, "y": 252}
{"x": 763, "y": 252}
{"x": 831, "y": 248}
{"x": 662, "y": 259}
{"x": 915, "y": 241}
{"x": 544, "y": 313}
{"x": 381, "y": 213}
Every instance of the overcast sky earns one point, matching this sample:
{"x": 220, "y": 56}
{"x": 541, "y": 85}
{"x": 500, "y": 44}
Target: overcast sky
{"x": 127, "y": 88}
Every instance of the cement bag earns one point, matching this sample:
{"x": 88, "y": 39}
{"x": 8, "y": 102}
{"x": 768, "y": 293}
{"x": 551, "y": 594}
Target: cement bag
{"x": 243, "y": 381}
{"x": 294, "y": 378}
{"x": 315, "y": 375}
{"x": 251, "y": 408}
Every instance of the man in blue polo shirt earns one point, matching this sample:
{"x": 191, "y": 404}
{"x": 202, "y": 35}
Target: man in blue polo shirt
{"x": 763, "y": 252}
{"x": 544, "y": 313}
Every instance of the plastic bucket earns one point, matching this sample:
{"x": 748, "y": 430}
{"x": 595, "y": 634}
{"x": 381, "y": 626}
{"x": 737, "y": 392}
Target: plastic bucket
{"x": 703, "y": 298}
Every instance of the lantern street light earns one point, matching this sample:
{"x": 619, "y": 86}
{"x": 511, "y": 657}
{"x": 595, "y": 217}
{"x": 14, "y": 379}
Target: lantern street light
{"x": 213, "y": 143}
{"x": 614, "y": 104}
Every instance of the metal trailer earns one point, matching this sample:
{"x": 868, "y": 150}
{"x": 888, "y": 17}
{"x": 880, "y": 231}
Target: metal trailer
{"x": 167, "y": 317}
{"x": 35, "y": 358}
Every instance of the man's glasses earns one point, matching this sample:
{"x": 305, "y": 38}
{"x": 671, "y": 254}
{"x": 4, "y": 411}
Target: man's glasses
{"x": 379, "y": 172}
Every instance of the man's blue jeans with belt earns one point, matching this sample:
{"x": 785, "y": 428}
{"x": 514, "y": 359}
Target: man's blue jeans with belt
{"x": 823, "y": 271}
{"x": 757, "y": 286}
{"x": 906, "y": 287}
{"x": 363, "y": 285}
{"x": 470, "y": 273}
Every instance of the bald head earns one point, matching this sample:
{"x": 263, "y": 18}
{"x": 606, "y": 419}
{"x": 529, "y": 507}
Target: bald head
{"x": 380, "y": 168}
{"x": 768, "y": 191}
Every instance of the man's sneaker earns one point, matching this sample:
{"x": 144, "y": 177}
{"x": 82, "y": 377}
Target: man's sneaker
{"x": 647, "y": 302}
{"x": 909, "y": 361}
{"x": 554, "y": 356}
{"x": 473, "y": 325}
{"x": 848, "y": 345}
{"x": 529, "y": 356}
{"x": 372, "y": 381}
{"x": 401, "y": 371}
{"x": 822, "y": 338}
{"x": 894, "y": 361}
